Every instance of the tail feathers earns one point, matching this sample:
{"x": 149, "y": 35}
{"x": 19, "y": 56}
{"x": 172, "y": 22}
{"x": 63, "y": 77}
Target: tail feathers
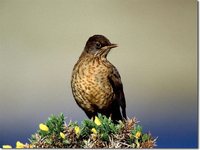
{"x": 116, "y": 113}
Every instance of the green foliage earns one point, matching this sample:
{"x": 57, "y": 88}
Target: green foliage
{"x": 145, "y": 137}
{"x": 55, "y": 125}
{"x": 52, "y": 137}
{"x": 138, "y": 128}
{"x": 107, "y": 125}
{"x": 106, "y": 128}
{"x": 91, "y": 134}
{"x": 73, "y": 124}
{"x": 86, "y": 127}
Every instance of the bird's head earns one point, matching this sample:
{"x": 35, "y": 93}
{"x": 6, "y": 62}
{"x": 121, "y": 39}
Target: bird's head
{"x": 98, "y": 45}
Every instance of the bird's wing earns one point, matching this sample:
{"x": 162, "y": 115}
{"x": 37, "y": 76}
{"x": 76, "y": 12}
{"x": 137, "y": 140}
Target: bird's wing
{"x": 115, "y": 81}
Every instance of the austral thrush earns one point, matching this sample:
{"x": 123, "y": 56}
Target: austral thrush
{"x": 96, "y": 83}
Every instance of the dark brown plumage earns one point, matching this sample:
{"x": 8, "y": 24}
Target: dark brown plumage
{"x": 96, "y": 83}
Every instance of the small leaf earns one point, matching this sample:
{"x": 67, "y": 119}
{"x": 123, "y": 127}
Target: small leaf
{"x": 145, "y": 137}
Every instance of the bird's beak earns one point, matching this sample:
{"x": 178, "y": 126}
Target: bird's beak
{"x": 112, "y": 46}
{"x": 109, "y": 47}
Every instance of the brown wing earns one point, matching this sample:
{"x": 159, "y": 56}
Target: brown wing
{"x": 115, "y": 81}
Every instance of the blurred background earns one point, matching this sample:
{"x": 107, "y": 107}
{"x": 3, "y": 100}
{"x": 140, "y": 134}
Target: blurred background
{"x": 40, "y": 41}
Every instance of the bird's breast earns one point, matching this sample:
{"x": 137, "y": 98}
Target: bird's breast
{"x": 91, "y": 82}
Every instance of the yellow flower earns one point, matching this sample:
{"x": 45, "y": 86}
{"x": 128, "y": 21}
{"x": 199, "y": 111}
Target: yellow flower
{"x": 94, "y": 130}
{"x": 138, "y": 134}
{"x": 43, "y": 127}
{"x": 62, "y": 135}
{"x": 19, "y": 144}
{"x": 7, "y": 146}
{"x": 77, "y": 130}
{"x": 97, "y": 121}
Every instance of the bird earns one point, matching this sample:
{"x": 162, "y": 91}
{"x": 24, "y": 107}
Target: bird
{"x": 96, "y": 83}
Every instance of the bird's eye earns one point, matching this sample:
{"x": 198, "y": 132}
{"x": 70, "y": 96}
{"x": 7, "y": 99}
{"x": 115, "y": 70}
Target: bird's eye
{"x": 98, "y": 45}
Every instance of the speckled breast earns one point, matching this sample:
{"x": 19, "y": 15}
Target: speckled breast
{"x": 90, "y": 84}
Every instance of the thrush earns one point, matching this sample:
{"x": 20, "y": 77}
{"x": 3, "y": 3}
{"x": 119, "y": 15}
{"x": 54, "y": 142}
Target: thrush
{"x": 96, "y": 83}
